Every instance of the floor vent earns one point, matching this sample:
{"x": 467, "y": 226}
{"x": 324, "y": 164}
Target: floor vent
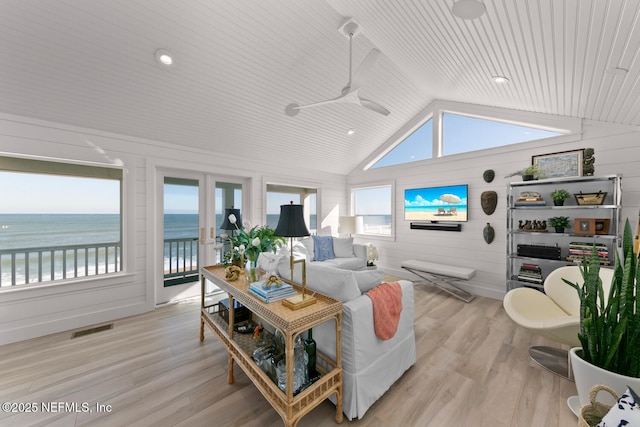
{"x": 93, "y": 330}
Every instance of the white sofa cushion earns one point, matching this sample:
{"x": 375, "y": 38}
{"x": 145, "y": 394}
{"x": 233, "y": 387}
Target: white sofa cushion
{"x": 368, "y": 279}
{"x": 343, "y": 247}
{"x": 334, "y": 282}
{"x": 352, "y": 263}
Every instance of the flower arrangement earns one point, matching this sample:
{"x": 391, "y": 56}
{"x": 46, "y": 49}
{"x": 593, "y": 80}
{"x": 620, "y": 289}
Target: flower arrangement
{"x": 372, "y": 254}
{"x": 250, "y": 243}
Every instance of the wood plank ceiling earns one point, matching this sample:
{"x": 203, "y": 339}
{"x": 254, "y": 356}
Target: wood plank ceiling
{"x": 90, "y": 63}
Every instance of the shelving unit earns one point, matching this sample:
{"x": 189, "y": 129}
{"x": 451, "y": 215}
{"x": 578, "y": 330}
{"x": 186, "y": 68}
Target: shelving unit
{"x": 607, "y": 215}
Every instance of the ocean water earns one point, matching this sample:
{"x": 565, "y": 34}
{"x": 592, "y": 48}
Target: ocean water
{"x": 28, "y": 231}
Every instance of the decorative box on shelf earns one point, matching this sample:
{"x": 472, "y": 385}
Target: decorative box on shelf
{"x": 242, "y": 313}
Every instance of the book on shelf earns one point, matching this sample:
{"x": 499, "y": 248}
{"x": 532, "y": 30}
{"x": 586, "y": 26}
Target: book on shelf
{"x": 531, "y": 273}
{"x": 603, "y": 261}
{"x": 521, "y": 202}
{"x": 579, "y": 250}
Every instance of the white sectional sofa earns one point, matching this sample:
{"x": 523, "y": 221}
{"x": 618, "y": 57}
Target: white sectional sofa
{"x": 370, "y": 365}
{"x": 345, "y": 254}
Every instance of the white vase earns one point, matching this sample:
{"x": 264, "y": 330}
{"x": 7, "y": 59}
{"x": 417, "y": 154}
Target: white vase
{"x": 587, "y": 375}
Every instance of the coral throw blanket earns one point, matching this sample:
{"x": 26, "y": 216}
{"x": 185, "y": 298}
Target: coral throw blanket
{"x": 387, "y": 305}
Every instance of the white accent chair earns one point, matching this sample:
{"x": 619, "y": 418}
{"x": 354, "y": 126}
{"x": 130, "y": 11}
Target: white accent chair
{"x": 554, "y": 314}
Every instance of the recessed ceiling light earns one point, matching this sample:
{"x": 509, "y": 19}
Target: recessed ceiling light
{"x": 164, "y": 57}
{"x": 468, "y": 9}
{"x": 351, "y": 131}
{"x": 500, "y": 79}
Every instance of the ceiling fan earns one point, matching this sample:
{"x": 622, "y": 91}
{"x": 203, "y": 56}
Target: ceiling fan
{"x": 350, "y": 93}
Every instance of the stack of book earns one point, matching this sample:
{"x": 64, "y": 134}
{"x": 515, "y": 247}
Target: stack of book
{"x": 530, "y": 198}
{"x": 578, "y": 250}
{"x": 530, "y": 201}
{"x": 531, "y": 273}
{"x": 271, "y": 294}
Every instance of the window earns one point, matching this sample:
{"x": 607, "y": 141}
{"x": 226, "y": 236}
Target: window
{"x": 417, "y": 146}
{"x": 460, "y": 134}
{"x": 58, "y": 221}
{"x": 373, "y": 205}
{"x": 282, "y": 195}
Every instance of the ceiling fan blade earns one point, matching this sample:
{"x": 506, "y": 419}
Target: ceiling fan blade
{"x": 364, "y": 70}
{"x": 293, "y": 109}
{"x": 374, "y": 106}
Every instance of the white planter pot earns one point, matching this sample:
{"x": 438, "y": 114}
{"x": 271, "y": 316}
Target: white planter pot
{"x": 587, "y": 375}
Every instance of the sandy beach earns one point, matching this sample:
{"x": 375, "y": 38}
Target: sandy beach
{"x": 431, "y": 216}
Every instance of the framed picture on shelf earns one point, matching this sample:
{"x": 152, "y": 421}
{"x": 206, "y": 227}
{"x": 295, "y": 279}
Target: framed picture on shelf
{"x": 602, "y": 226}
{"x": 565, "y": 163}
{"x": 591, "y": 226}
{"x": 584, "y": 226}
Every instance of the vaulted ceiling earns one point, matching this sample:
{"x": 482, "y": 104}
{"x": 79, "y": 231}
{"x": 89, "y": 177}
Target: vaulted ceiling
{"x": 91, "y": 63}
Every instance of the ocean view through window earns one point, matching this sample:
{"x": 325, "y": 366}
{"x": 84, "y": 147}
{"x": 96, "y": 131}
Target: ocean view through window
{"x": 373, "y": 205}
{"x": 59, "y": 221}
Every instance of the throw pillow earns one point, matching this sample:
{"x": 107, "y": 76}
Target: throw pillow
{"x": 368, "y": 279}
{"x": 323, "y": 248}
{"x": 626, "y": 412}
{"x": 300, "y": 250}
{"x": 268, "y": 261}
{"x": 343, "y": 247}
{"x": 307, "y": 242}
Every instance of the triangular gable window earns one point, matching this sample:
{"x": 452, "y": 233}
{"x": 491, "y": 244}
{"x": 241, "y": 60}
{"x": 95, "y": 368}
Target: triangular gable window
{"x": 461, "y": 134}
{"x": 417, "y": 146}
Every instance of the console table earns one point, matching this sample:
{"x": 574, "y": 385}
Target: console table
{"x": 290, "y": 323}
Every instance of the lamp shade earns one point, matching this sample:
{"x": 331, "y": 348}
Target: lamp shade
{"x": 347, "y": 225}
{"x": 291, "y": 222}
{"x": 228, "y": 225}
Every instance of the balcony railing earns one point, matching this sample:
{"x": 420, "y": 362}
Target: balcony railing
{"x": 45, "y": 264}
{"x": 180, "y": 261}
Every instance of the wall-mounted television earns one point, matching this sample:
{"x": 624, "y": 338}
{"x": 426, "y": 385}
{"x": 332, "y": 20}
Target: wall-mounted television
{"x": 435, "y": 204}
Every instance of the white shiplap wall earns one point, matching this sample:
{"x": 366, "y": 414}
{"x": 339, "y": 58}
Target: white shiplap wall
{"x": 36, "y": 310}
{"x": 616, "y": 150}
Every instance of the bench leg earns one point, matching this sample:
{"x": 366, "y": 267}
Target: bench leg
{"x": 444, "y": 283}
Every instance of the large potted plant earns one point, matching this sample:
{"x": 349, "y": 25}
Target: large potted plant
{"x": 609, "y": 324}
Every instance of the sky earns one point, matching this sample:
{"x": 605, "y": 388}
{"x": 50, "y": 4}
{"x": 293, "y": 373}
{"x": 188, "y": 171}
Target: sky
{"x": 431, "y": 196}
{"x": 36, "y": 193}
{"x": 460, "y": 134}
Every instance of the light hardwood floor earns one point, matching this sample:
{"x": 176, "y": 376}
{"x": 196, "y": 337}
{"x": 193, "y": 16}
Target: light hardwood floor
{"x": 151, "y": 369}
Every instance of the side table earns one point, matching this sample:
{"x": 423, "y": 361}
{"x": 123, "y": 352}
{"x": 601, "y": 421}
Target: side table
{"x": 290, "y": 323}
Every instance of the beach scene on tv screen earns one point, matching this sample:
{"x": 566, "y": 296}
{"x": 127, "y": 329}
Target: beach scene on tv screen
{"x": 448, "y": 203}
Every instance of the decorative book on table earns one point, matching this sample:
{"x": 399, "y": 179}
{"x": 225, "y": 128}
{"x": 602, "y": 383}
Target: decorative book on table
{"x": 271, "y": 294}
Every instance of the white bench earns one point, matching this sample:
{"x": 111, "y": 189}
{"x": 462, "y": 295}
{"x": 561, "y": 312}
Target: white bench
{"x": 441, "y": 275}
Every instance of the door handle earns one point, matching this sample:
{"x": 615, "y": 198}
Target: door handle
{"x": 201, "y": 235}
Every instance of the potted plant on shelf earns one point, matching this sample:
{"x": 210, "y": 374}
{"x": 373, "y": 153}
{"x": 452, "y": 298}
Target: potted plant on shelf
{"x": 532, "y": 172}
{"x": 559, "y": 223}
{"x": 609, "y": 324}
{"x": 559, "y": 196}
